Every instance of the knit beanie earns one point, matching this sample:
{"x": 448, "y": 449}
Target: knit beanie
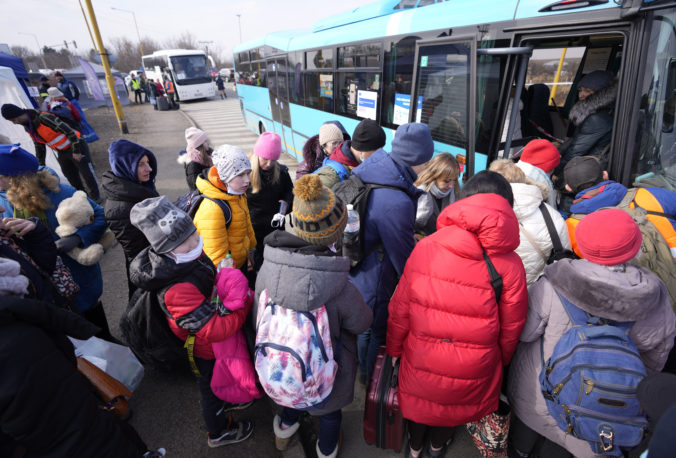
{"x": 346, "y": 136}
{"x": 412, "y": 144}
{"x": 10, "y": 111}
{"x": 15, "y": 161}
{"x": 608, "y": 237}
{"x": 542, "y": 154}
{"x": 319, "y": 216}
{"x": 328, "y": 133}
{"x": 230, "y": 161}
{"x": 54, "y": 92}
{"x": 124, "y": 157}
{"x": 582, "y": 172}
{"x": 164, "y": 225}
{"x": 57, "y": 73}
{"x": 194, "y": 138}
{"x": 368, "y": 136}
{"x": 596, "y": 80}
{"x": 268, "y": 146}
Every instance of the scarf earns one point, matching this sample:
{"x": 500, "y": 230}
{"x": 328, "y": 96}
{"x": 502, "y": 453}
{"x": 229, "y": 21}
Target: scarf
{"x": 436, "y": 192}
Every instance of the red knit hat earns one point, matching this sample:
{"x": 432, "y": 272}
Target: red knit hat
{"x": 608, "y": 237}
{"x": 542, "y": 154}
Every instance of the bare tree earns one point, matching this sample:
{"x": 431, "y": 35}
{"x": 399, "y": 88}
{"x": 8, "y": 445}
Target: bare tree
{"x": 184, "y": 41}
{"x": 22, "y": 52}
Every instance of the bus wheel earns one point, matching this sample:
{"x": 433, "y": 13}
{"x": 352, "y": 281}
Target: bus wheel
{"x": 261, "y": 128}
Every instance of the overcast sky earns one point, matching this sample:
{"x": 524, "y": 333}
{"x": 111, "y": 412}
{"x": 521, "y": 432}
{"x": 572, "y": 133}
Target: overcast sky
{"x": 208, "y": 20}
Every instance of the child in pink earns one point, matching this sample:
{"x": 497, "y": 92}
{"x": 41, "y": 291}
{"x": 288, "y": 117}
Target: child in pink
{"x": 234, "y": 380}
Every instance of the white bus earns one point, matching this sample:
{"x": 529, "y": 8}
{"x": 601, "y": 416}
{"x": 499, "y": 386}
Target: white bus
{"x": 189, "y": 69}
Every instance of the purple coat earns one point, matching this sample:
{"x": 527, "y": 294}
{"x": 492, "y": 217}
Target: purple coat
{"x": 633, "y": 295}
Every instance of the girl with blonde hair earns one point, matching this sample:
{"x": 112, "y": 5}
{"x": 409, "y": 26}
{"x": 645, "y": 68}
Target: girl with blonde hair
{"x": 270, "y": 186}
{"x": 439, "y": 180}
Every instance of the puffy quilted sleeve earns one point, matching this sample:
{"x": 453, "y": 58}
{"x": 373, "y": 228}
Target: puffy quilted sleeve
{"x": 513, "y": 306}
{"x": 398, "y": 321}
{"x": 654, "y": 335}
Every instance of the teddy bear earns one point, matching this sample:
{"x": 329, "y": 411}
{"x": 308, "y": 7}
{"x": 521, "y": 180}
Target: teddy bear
{"x": 73, "y": 213}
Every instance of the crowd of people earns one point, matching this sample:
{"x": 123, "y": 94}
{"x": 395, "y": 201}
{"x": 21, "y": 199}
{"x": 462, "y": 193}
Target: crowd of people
{"x": 469, "y": 288}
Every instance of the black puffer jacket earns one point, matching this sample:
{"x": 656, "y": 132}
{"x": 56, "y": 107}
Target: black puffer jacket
{"x": 265, "y": 204}
{"x": 593, "y": 121}
{"x": 192, "y": 171}
{"x": 46, "y": 405}
{"x": 38, "y": 244}
{"x": 121, "y": 195}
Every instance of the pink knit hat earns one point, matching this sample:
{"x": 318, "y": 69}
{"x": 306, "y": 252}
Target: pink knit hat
{"x": 268, "y": 146}
{"x": 195, "y": 137}
{"x": 608, "y": 237}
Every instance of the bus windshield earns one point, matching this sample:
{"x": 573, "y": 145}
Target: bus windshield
{"x": 190, "y": 69}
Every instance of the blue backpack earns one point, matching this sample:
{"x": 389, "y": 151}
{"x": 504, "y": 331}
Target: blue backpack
{"x": 590, "y": 381}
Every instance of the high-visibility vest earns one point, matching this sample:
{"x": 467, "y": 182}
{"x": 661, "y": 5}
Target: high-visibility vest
{"x": 169, "y": 87}
{"x": 52, "y": 138}
{"x": 135, "y": 85}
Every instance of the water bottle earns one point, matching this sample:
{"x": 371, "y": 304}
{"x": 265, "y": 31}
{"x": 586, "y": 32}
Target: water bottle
{"x": 351, "y": 234}
{"x": 226, "y": 263}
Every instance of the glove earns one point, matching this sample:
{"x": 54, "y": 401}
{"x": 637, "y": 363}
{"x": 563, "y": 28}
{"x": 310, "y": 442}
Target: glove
{"x": 65, "y": 244}
{"x": 278, "y": 220}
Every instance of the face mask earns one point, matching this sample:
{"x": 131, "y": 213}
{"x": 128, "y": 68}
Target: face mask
{"x": 437, "y": 193}
{"x": 234, "y": 192}
{"x": 182, "y": 258}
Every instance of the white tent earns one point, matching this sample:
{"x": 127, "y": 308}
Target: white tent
{"x": 12, "y": 92}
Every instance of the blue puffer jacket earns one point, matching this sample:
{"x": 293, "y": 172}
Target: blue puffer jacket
{"x": 389, "y": 220}
{"x": 88, "y": 277}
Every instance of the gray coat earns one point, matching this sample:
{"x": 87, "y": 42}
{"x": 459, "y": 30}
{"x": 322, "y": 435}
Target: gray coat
{"x": 303, "y": 277}
{"x": 634, "y": 295}
{"x": 428, "y": 210}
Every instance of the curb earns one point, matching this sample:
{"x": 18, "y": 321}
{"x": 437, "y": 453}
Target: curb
{"x": 188, "y": 118}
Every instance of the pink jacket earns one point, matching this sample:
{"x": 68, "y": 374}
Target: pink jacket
{"x": 234, "y": 377}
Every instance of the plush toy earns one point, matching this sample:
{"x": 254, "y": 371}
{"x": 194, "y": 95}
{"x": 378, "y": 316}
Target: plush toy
{"x": 72, "y": 214}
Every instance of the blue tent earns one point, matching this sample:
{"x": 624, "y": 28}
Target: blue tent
{"x": 19, "y": 69}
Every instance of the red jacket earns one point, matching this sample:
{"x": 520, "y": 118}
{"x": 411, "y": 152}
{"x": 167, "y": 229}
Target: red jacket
{"x": 183, "y": 298}
{"x": 444, "y": 322}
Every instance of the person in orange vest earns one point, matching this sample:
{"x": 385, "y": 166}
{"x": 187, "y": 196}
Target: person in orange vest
{"x": 71, "y": 150}
{"x": 170, "y": 91}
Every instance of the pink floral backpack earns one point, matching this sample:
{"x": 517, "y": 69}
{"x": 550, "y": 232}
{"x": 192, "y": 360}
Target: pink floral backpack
{"x": 294, "y": 354}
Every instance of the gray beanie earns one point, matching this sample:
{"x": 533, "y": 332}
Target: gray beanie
{"x": 596, "y": 80}
{"x": 230, "y": 161}
{"x": 164, "y": 224}
{"x": 412, "y": 144}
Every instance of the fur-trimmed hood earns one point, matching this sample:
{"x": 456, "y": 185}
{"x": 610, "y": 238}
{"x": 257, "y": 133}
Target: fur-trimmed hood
{"x": 602, "y": 100}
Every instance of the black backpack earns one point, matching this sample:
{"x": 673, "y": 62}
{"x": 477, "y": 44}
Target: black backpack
{"x": 354, "y": 191}
{"x": 145, "y": 329}
{"x": 191, "y": 200}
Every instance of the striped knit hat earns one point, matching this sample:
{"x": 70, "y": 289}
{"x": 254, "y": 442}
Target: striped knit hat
{"x": 319, "y": 216}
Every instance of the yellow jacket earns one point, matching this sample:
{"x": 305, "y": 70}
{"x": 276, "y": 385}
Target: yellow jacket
{"x": 238, "y": 239}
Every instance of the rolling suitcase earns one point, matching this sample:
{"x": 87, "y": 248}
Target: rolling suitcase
{"x": 162, "y": 104}
{"x": 383, "y": 423}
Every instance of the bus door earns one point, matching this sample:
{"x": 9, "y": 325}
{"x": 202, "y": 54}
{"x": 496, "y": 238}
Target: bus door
{"x": 279, "y": 100}
{"x": 445, "y": 91}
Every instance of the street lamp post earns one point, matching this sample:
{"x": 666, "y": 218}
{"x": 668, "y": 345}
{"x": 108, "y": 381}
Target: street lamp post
{"x": 239, "y": 22}
{"x": 42, "y": 56}
{"x": 140, "y": 46}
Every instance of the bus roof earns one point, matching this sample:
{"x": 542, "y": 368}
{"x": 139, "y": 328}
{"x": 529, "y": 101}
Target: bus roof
{"x": 176, "y": 52}
{"x": 384, "y": 20}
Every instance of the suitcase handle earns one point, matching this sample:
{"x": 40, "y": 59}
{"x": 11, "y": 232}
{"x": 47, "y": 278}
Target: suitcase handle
{"x": 394, "y": 380}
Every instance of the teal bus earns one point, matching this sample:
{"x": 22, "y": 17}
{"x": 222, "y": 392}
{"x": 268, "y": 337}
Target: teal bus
{"x": 460, "y": 65}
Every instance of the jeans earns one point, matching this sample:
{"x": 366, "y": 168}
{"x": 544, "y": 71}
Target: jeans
{"x": 329, "y": 427}
{"x": 367, "y": 349}
{"x": 216, "y": 423}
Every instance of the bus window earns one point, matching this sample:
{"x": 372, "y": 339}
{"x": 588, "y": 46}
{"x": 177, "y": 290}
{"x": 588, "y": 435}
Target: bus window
{"x": 358, "y": 94}
{"x": 319, "y": 91}
{"x": 322, "y": 58}
{"x": 655, "y": 151}
{"x": 397, "y": 79}
{"x": 556, "y": 68}
{"x": 443, "y": 83}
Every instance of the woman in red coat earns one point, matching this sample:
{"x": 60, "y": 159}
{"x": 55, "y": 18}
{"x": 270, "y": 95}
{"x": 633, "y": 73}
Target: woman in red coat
{"x": 452, "y": 334}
